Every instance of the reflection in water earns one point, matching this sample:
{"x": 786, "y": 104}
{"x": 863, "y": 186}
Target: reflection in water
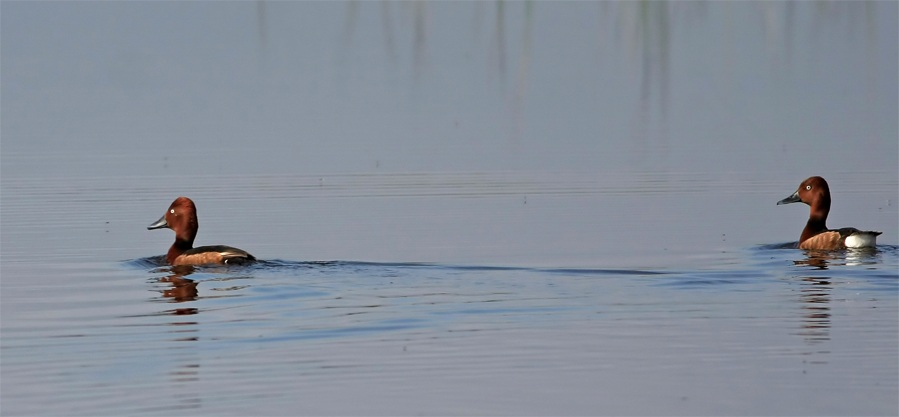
{"x": 185, "y": 372}
{"x": 499, "y": 50}
{"x": 816, "y": 259}
{"x": 350, "y": 22}
{"x": 815, "y": 293}
{"x": 524, "y": 64}
{"x": 863, "y": 256}
{"x": 848, "y": 257}
{"x": 419, "y": 51}
{"x": 815, "y": 299}
{"x": 182, "y": 289}
{"x": 655, "y": 43}
{"x": 389, "y": 40}
{"x": 262, "y": 30}
{"x": 500, "y": 40}
{"x": 648, "y": 34}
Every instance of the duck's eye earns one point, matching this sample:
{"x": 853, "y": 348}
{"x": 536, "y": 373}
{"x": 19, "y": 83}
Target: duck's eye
{"x": 172, "y": 211}
{"x": 807, "y": 187}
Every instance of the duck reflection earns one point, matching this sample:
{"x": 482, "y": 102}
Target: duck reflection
{"x": 862, "y": 256}
{"x": 817, "y": 259}
{"x": 185, "y": 370}
{"x": 823, "y": 259}
{"x": 815, "y": 295}
{"x": 181, "y": 289}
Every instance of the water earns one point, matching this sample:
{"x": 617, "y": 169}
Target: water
{"x": 466, "y": 209}
{"x": 284, "y": 337}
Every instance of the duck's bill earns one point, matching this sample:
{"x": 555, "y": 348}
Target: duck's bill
{"x": 791, "y": 199}
{"x": 161, "y": 223}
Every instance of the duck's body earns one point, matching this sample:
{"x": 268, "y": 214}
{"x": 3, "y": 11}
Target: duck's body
{"x": 181, "y": 217}
{"x": 815, "y": 192}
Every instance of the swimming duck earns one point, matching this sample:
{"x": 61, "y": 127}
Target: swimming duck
{"x": 181, "y": 217}
{"x": 815, "y": 192}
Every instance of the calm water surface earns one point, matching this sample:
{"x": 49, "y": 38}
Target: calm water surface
{"x": 460, "y": 209}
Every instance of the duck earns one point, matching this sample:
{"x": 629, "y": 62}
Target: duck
{"x": 181, "y": 217}
{"x": 815, "y": 192}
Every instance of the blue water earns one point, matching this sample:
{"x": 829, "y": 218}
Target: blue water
{"x": 342, "y": 337}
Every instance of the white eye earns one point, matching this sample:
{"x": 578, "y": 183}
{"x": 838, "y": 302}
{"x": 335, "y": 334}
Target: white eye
{"x": 172, "y": 211}
{"x": 807, "y": 187}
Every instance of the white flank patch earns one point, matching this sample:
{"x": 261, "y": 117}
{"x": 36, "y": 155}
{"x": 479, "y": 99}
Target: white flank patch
{"x": 861, "y": 240}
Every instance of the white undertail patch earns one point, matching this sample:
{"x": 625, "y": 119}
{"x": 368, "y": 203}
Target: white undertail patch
{"x": 861, "y": 240}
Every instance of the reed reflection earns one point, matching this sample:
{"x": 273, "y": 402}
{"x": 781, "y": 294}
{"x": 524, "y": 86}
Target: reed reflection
{"x": 646, "y": 33}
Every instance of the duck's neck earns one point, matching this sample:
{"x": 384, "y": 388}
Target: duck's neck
{"x": 817, "y": 219}
{"x": 180, "y": 246}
